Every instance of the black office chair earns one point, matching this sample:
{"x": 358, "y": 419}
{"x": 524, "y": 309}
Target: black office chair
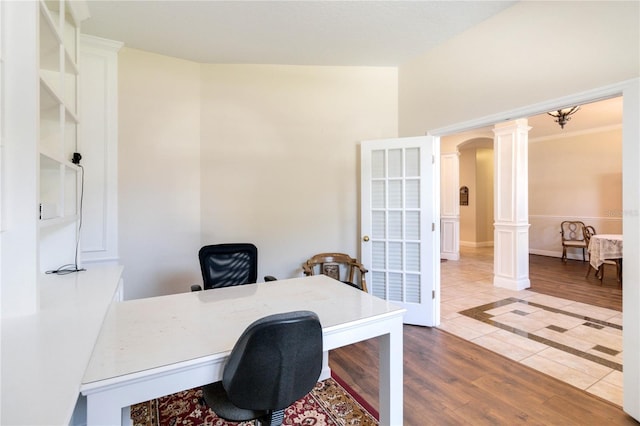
{"x": 225, "y": 265}
{"x": 275, "y": 362}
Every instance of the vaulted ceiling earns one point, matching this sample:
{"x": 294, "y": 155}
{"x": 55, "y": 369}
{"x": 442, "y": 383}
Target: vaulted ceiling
{"x": 363, "y": 33}
{"x": 355, "y": 33}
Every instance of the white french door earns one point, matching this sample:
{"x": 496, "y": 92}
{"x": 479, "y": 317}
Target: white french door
{"x": 400, "y": 237}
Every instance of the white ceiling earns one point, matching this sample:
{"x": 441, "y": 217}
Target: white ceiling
{"x": 362, "y": 33}
{"x": 356, "y": 32}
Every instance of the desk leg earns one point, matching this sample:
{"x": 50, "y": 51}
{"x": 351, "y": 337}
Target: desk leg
{"x": 391, "y": 376}
{"x": 103, "y": 411}
{"x": 126, "y": 416}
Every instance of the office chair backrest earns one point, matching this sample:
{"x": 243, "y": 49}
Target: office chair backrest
{"x": 225, "y": 265}
{"x": 275, "y": 362}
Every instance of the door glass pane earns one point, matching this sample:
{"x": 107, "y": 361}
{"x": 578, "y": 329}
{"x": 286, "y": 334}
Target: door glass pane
{"x": 377, "y": 255}
{"x": 377, "y": 164}
{"x": 377, "y": 194}
{"x": 378, "y": 225}
{"x": 395, "y": 256}
{"x": 395, "y": 194}
{"x": 413, "y": 194}
{"x": 395, "y": 163}
{"x": 395, "y": 225}
{"x": 378, "y": 285}
{"x": 395, "y": 287}
{"x": 413, "y": 257}
{"x": 412, "y": 161}
{"x": 412, "y": 225}
{"x": 412, "y": 288}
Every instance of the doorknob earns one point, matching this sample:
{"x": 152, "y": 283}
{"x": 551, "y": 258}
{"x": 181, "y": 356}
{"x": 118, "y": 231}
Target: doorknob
{"x": 365, "y": 238}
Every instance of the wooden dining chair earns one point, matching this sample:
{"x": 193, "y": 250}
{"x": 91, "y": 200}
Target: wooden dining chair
{"x": 339, "y": 266}
{"x": 572, "y": 233}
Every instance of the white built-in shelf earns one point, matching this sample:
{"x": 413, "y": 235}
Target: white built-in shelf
{"x": 58, "y": 201}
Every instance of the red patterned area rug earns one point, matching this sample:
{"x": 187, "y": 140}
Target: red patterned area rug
{"x": 330, "y": 403}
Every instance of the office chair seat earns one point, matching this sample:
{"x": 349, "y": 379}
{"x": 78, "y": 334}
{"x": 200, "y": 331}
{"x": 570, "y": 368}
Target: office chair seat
{"x": 276, "y": 361}
{"x": 216, "y": 397}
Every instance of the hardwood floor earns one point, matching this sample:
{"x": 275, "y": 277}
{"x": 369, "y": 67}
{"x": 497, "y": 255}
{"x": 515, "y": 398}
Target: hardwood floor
{"x": 549, "y": 275}
{"x": 450, "y": 381}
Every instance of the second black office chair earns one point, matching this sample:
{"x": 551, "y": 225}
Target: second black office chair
{"x": 225, "y": 265}
{"x": 276, "y": 361}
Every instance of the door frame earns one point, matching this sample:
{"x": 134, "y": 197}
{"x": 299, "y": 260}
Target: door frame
{"x": 630, "y": 91}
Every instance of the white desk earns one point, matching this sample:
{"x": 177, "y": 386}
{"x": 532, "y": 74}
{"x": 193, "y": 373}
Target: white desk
{"x": 44, "y": 355}
{"x": 157, "y": 346}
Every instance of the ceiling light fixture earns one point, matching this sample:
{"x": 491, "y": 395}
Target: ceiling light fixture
{"x": 563, "y": 115}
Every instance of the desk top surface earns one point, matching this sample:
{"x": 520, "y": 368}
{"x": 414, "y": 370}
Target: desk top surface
{"x": 45, "y": 354}
{"x": 143, "y": 334}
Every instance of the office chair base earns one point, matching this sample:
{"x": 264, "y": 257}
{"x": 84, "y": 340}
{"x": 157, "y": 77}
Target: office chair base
{"x": 274, "y": 418}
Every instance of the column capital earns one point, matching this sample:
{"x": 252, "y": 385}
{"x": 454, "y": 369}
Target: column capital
{"x": 510, "y": 126}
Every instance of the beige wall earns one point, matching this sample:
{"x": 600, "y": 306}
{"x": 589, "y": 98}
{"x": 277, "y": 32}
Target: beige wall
{"x": 280, "y": 157}
{"x": 531, "y": 52}
{"x": 577, "y": 177}
{"x": 158, "y": 172}
{"x": 468, "y": 213}
{"x": 234, "y": 153}
{"x": 484, "y": 196}
{"x": 476, "y": 172}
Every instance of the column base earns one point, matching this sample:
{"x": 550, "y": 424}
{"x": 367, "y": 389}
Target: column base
{"x": 511, "y": 284}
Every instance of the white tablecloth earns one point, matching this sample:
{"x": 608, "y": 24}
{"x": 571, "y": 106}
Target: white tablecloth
{"x": 604, "y": 246}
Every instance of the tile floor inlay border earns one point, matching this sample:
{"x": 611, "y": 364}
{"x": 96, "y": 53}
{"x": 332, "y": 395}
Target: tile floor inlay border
{"x": 606, "y": 350}
{"x": 480, "y": 313}
{"x": 556, "y": 328}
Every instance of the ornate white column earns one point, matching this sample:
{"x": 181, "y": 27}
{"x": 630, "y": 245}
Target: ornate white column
{"x": 511, "y": 205}
{"x": 449, "y": 207}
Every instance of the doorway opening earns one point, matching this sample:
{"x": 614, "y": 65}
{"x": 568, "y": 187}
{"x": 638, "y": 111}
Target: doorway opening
{"x": 572, "y": 174}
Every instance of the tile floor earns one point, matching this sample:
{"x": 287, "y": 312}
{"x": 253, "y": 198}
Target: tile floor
{"x": 574, "y": 342}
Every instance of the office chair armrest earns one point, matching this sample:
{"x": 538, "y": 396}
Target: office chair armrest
{"x": 268, "y": 278}
{"x": 196, "y": 287}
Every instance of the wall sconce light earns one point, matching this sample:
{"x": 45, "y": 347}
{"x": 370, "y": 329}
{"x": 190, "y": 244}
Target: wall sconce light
{"x": 563, "y": 115}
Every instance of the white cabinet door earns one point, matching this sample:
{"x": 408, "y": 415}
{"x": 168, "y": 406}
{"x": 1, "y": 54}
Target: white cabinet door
{"x": 99, "y": 148}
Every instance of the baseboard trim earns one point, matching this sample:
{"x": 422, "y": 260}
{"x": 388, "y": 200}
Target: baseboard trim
{"x": 476, "y": 244}
{"x": 450, "y": 256}
{"x": 558, "y": 254}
